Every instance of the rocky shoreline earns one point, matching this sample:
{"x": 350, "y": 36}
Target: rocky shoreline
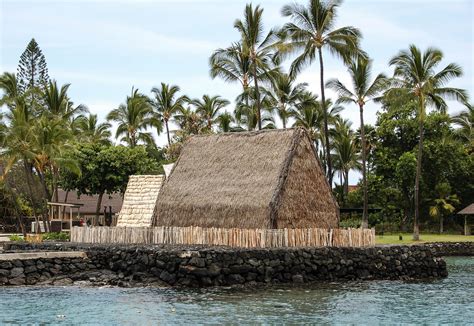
{"x": 198, "y": 266}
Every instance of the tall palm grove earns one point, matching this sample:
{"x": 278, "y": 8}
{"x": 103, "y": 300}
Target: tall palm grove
{"x": 416, "y": 163}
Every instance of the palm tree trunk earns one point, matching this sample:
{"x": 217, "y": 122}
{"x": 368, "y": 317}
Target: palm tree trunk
{"x": 346, "y": 183}
{"x": 416, "y": 230}
{"x": 257, "y": 96}
{"x": 365, "y": 213}
{"x": 97, "y": 209}
{"x": 17, "y": 208}
{"x": 28, "y": 176}
{"x": 46, "y": 197}
{"x": 283, "y": 115}
{"x": 325, "y": 114}
{"x": 168, "y": 132}
{"x": 441, "y": 220}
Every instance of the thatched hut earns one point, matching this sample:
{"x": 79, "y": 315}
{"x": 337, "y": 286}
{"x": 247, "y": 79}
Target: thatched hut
{"x": 140, "y": 200}
{"x": 263, "y": 179}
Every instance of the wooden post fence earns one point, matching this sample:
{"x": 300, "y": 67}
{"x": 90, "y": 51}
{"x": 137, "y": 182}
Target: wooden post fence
{"x": 245, "y": 238}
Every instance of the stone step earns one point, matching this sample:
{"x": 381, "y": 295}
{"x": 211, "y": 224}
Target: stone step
{"x": 40, "y": 255}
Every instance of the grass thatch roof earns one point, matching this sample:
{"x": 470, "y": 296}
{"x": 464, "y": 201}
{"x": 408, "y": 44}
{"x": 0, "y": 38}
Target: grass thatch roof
{"x": 263, "y": 179}
{"x": 140, "y": 200}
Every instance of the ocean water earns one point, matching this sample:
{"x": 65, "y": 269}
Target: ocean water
{"x": 445, "y": 301}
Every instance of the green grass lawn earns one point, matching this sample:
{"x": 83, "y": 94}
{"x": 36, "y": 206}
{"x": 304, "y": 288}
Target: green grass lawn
{"x": 407, "y": 238}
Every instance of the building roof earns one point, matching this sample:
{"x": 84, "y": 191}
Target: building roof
{"x": 469, "y": 210}
{"x": 262, "y": 179}
{"x": 140, "y": 200}
{"x": 89, "y": 202}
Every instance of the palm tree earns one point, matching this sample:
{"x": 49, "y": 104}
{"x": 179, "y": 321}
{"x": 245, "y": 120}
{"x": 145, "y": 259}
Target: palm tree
{"x": 132, "y": 117}
{"x": 246, "y": 111}
{"x": 232, "y": 64}
{"x": 91, "y": 130}
{"x": 209, "y": 108}
{"x": 362, "y": 92}
{"x": 284, "y": 95}
{"x": 414, "y": 74}
{"x": 444, "y": 203}
{"x": 11, "y": 91}
{"x": 307, "y": 113}
{"x": 257, "y": 46}
{"x": 57, "y": 102}
{"x": 166, "y": 104}
{"x": 311, "y": 31}
{"x": 224, "y": 121}
{"x": 189, "y": 122}
{"x": 52, "y": 139}
{"x": 345, "y": 151}
{"x": 465, "y": 121}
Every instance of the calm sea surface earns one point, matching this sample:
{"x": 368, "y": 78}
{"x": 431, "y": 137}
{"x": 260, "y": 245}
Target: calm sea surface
{"x": 447, "y": 301}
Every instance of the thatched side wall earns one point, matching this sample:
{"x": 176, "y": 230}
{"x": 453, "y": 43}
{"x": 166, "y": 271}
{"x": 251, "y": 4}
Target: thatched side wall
{"x": 140, "y": 200}
{"x": 306, "y": 200}
{"x": 224, "y": 180}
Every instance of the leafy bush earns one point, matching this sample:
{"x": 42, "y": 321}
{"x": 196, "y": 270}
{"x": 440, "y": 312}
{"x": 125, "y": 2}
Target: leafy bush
{"x": 350, "y": 223}
{"x": 56, "y": 236}
{"x": 16, "y": 237}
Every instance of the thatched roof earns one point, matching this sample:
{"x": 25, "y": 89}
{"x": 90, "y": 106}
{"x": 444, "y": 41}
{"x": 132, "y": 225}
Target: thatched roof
{"x": 264, "y": 179}
{"x": 469, "y": 210}
{"x": 140, "y": 200}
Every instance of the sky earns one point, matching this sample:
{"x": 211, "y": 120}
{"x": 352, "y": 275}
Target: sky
{"x": 104, "y": 48}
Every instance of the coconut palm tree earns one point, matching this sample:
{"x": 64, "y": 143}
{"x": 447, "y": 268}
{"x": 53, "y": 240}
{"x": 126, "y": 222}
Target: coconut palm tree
{"x": 166, "y": 103}
{"x": 310, "y": 31}
{"x": 443, "y": 204}
{"x": 91, "y": 130}
{"x": 465, "y": 121}
{"x": 57, "y": 103}
{"x": 258, "y": 47}
{"x": 209, "y": 108}
{"x": 346, "y": 155}
{"x": 11, "y": 91}
{"x": 232, "y": 64}
{"x": 52, "y": 139}
{"x": 307, "y": 113}
{"x": 345, "y": 151}
{"x": 190, "y": 123}
{"x": 133, "y": 117}
{"x": 363, "y": 91}
{"x": 246, "y": 111}
{"x": 224, "y": 121}
{"x": 414, "y": 74}
{"x": 285, "y": 94}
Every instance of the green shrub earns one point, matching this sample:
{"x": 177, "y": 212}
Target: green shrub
{"x": 16, "y": 237}
{"x": 56, "y": 236}
{"x": 350, "y": 223}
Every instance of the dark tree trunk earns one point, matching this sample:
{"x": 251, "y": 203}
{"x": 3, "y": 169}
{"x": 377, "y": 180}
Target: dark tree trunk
{"x": 325, "y": 115}
{"x": 346, "y": 183}
{"x": 365, "y": 213}
{"x": 46, "y": 198}
{"x": 167, "y": 132}
{"x": 441, "y": 224}
{"x": 416, "y": 230}
{"x": 17, "y": 208}
{"x": 97, "y": 208}
{"x": 29, "y": 177}
{"x": 257, "y": 96}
